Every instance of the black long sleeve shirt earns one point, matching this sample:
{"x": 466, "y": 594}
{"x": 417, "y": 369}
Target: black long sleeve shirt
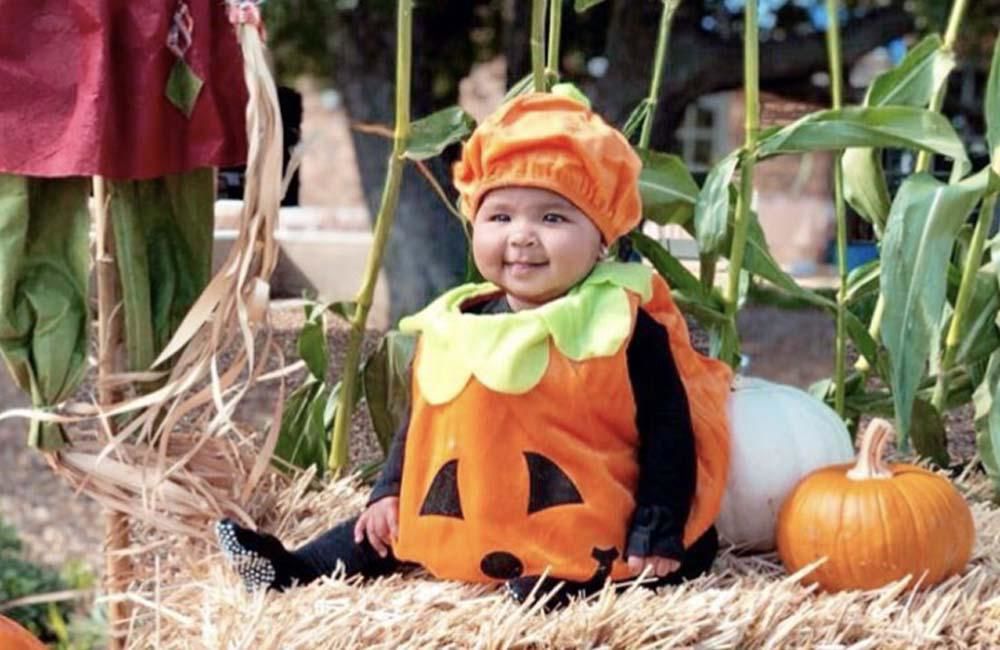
{"x": 666, "y": 454}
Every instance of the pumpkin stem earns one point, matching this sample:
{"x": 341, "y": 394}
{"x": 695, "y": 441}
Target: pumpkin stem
{"x": 870, "y": 464}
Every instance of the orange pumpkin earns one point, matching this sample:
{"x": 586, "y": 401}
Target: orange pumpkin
{"x": 15, "y": 637}
{"x": 502, "y": 484}
{"x": 875, "y": 522}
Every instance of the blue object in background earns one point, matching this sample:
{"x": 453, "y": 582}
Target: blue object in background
{"x": 860, "y": 253}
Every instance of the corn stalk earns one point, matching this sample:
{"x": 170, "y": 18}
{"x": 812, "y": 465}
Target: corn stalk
{"x": 836, "y": 90}
{"x": 537, "y": 46}
{"x": 383, "y": 226}
{"x": 662, "y": 43}
{"x": 751, "y": 96}
{"x": 555, "y": 33}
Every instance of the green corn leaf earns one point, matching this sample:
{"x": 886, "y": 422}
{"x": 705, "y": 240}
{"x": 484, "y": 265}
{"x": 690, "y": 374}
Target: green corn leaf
{"x": 865, "y": 188}
{"x": 344, "y": 309}
{"x": 866, "y": 345}
{"x": 987, "y": 418}
{"x": 712, "y": 209}
{"x": 583, "y": 5}
{"x": 880, "y": 126}
{"x": 863, "y": 281}
{"x": 339, "y": 449}
{"x": 635, "y": 119}
{"x": 917, "y": 77}
{"x": 386, "y": 378}
{"x": 979, "y": 335}
{"x": 912, "y": 83}
{"x": 525, "y": 85}
{"x": 992, "y": 108}
{"x": 916, "y": 249}
{"x": 302, "y": 440}
{"x": 431, "y": 135}
{"x": 682, "y": 282}
{"x": 312, "y": 343}
{"x": 668, "y": 191}
{"x": 757, "y": 259}
{"x": 929, "y": 436}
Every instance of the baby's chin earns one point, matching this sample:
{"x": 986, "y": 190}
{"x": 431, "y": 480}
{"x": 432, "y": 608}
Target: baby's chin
{"x": 520, "y": 299}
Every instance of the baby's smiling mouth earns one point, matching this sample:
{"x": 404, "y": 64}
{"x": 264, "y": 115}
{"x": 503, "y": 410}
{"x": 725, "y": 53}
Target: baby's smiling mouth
{"x": 523, "y": 266}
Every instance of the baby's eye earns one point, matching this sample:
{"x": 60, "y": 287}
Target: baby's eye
{"x": 553, "y": 217}
{"x": 499, "y": 218}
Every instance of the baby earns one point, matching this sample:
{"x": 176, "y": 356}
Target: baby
{"x": 562, "y": 429}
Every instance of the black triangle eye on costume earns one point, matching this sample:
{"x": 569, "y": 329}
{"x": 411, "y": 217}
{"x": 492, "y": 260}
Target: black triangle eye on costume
{"x": 549, "y": 486}
{"x": 442, "y": 497}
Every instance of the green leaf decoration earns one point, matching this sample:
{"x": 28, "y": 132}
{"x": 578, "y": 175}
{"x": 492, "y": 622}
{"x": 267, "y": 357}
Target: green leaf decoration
{"x": 509, "y": 353}
{"x": 711, "y": 211}
{"x": 880, "y": 126}
{"x": 992, "y": 108}
{"x": 433, "y": 134}
{"x": 312, "y": 343}
{"x": 584, "y": 5}
{"x": 987, "y": 418}
{"x": 668, "y": 191}
{"x": 183, "y": 87}
{"x": 916, "y": 249}
{"x": 387, "y": 385}
{"x": 44, "y": 276}
{"x": 566, "y": 89}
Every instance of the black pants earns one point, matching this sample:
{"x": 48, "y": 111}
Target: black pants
{"x": 321, "y": 556}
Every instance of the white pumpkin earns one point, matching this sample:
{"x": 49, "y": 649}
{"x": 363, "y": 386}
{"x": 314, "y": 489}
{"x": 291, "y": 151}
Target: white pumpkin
{"x": 779, "y": 434}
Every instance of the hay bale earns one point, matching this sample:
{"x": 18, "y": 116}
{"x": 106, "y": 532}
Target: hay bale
{"x": 189, "y": 599}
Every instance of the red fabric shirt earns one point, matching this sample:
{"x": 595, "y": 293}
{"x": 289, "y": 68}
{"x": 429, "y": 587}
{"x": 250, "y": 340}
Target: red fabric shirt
{"x": 82, "y": 89}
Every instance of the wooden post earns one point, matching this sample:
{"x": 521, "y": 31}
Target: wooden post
{"x": 117, "y": 567}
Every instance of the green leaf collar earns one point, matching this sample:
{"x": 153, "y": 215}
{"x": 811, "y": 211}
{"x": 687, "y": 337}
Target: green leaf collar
{"x": 509, "y": 353}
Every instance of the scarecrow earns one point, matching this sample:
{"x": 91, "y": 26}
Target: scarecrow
{"x": 145, "y": 97}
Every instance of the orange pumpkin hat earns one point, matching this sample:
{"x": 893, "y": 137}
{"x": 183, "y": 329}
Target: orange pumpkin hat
{"x": 554, "y": 143}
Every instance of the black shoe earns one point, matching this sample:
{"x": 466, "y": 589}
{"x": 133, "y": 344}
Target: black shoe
{"x": 259, "y": 559}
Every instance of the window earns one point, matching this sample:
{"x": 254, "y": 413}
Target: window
{"x": 702, "y": 137}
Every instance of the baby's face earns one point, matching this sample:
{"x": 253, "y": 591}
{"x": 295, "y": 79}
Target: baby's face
{"x": 533, "y": 244}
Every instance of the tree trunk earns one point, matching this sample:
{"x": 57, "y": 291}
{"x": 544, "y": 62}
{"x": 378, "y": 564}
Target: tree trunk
{"x": 427, "y": 249}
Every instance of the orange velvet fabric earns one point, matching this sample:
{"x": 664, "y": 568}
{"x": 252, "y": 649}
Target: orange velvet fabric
{"x": 554, "y": 143}
{"x": 581, "y": 416}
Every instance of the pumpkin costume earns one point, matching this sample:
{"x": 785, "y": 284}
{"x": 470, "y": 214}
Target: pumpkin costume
{"x": 492, "y": 498}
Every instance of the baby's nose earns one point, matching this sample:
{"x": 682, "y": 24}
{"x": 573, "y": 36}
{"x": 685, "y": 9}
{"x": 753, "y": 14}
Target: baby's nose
{"x": 523, "y": 237}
